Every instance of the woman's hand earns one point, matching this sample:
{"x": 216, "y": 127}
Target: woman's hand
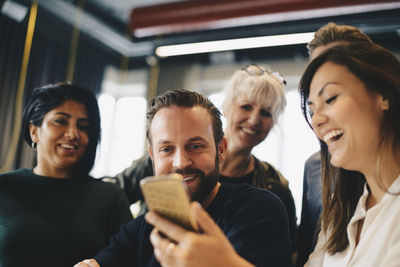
{"x": 175, "y": 246}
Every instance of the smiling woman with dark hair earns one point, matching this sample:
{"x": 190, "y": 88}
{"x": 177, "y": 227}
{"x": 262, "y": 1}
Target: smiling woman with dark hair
{"x": 55, "y": 213}
{"x": 350, "y": 97}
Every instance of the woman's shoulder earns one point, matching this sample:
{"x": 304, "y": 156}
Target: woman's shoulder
{"x": 105, "y": 189}
{"x": 19, "y": 173}
{"x": 267, "y": 171}
{"x": 106, "y": 194}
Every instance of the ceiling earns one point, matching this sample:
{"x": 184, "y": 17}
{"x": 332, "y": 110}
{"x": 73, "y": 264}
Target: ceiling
{"x": 162, "y": 22}
{"x": 121, "y": 9}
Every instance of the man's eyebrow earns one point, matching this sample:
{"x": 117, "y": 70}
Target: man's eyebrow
{"x": 321, "y": 91}
{"x": 198, "y": 138}
{"x": 163, "y": 142}
{"x": 193, "y": 139}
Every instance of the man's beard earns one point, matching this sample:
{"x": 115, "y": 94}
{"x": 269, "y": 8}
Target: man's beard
{"x": 206, "y": 182}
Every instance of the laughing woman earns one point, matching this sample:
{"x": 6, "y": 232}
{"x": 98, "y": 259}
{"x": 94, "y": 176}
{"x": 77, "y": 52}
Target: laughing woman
{"x": 55, "y": 214}
{"x": 352, "y": 94}
{"x": 255, "y": 98}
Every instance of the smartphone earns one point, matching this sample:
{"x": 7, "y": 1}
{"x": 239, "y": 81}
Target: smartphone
{"x": 167, "y": 196}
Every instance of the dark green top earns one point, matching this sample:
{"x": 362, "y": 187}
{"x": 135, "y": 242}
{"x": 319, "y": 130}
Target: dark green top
{"x": 56, "y": 222}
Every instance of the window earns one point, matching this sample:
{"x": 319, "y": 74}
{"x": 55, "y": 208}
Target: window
{"x": 122, "y": 112}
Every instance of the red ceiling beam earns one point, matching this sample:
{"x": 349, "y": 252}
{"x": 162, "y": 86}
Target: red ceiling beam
{"x": 195, "y": 15}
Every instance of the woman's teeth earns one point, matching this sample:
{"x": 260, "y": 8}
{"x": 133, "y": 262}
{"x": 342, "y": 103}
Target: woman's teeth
{"x": 332, "y": 136}
{"x": 248, "y": 131}
{"x": 66, "y": 146}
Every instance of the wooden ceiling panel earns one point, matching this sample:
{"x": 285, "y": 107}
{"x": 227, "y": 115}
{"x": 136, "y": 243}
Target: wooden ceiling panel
{"x": 198, "y": 15}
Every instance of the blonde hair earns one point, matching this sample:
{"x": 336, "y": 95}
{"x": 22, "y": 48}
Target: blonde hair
{"x": 259, "y": 85}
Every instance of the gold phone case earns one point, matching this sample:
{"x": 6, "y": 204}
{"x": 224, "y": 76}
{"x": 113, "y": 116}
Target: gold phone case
{"x": 166, "y": 195}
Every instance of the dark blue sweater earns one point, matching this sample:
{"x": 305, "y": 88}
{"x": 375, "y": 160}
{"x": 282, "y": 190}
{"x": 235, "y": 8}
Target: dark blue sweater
{"x": 254, "y": 220}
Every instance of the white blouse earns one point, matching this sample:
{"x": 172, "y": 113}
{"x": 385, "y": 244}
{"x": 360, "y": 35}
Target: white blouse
{"x": 379, "y": 244}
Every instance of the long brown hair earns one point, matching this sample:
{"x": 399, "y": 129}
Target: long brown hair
{"x": 379, "y": 71}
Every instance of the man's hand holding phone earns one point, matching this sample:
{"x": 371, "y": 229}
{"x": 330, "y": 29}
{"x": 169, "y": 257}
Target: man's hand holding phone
{"x": 167, "y": 196}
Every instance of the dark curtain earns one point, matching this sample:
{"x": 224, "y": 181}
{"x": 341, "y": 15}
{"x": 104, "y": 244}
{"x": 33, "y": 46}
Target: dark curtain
{"x": 48, "y": 63}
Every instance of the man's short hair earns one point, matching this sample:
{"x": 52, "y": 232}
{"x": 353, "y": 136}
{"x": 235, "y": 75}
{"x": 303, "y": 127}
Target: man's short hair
{"x": 184, "y": 98}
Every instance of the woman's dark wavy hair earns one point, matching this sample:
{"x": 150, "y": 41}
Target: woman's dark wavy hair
{"x": 46, "y": 98}
{"x": 379, "y": 71}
